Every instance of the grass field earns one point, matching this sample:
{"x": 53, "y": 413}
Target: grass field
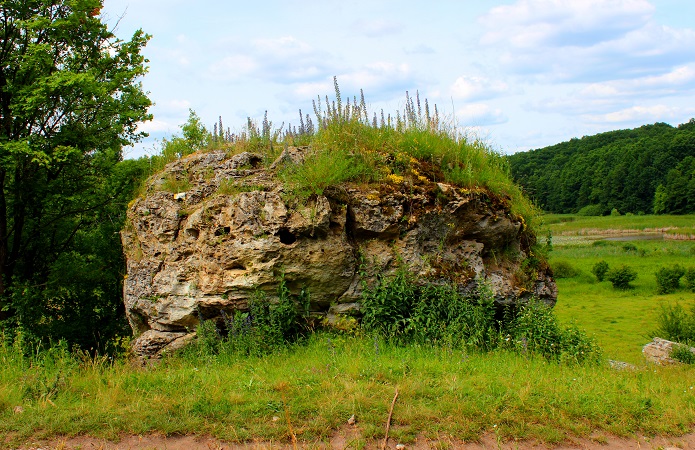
{"x": 621, "y": 320}
{"x": 311, "y": 389}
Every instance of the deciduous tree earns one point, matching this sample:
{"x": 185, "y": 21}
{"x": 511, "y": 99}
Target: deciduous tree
{"x": 70, "y": 98}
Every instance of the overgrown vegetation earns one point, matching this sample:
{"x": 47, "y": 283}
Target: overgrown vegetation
{"x": 403, "y": 311}
{"x": 328, "y": 377}
{"x": 266, "y": 327}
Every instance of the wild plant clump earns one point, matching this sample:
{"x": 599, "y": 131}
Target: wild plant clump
{"x": 264, "y": 328}
{"x": 675, "y": 324}
{"x": 683, "y": 354}
{"x": 621, "y": 277}
{"x": 563, "y": 269}
{"x": 400, "y": 310}
{"x": 668, "y": 279}
{"x": 600, "y": 269}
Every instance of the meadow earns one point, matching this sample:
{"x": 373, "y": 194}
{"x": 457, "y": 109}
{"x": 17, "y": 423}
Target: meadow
{"x": 310, "y": 389}
{"x": 621, "y": 320}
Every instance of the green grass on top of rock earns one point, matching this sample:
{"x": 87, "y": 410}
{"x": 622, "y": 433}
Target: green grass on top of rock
{"x": 348, "y": 146}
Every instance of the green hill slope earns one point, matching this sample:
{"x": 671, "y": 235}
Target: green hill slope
{"x": 621, "y": 169}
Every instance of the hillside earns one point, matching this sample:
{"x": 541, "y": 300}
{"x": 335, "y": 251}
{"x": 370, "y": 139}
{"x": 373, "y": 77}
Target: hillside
{"x": 620, "y": 170}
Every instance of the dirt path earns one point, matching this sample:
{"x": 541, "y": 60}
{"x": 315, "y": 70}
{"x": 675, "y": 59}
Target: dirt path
{"x": 350, "y": 439}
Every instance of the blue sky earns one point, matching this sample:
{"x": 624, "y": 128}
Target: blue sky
{"x": 520, "y": 74}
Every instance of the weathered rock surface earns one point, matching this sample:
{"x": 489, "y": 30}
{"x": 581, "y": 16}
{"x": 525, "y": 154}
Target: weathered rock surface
{"x": 658, "y": 351}
{"x": 236, "y": 228}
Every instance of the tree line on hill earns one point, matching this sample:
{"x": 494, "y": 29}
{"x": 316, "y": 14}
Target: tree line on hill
{"x": 650, "y": 169}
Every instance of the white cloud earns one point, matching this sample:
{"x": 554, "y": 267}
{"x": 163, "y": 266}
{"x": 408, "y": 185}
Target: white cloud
{"x": 595, "y": 99}
{"x": 585, "y": 40}
{"x": 479, "y": 114}
{"x": 575, "y": 104}
{"x": 533, "y": 23}
{"x": 284, "y": 60}
{"x": 377, "y": 75}
{"x": 477, "y": 88}
{"x": 678, "y": 81}
{"x": 156, "y": 126}
{"x": 643, "y": 114}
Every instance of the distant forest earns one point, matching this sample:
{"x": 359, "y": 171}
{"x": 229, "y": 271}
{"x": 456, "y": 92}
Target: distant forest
{"x": 650, "y": 169}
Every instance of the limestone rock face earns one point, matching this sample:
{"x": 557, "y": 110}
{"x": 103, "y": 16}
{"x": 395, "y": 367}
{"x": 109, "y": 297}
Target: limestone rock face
{"x": 234, "y": 228}
{"x": 658, "y": 351}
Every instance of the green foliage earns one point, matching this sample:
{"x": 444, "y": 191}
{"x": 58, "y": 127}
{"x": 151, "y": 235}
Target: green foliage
{"x": 325, "y": 168}
{"x": 683, "y": 354}
{"x": 619, "y": 170}
{"x": 264, "y": 328}
{"x": 534, "y": 329}
{"x": 563, "y": 269}
{"x": 403, "y": 311}
{"x": 176, "y": 183}
{"x": 668, "y": 279}
{"x": 592, "y": 210}
{"x": 621, "y": 276}
{"x": 675, "y": 324}
{"x": 615, "y": 212}
{"x": 677, "y": 194}
{"x": 600, "y": 269}
{"x": 71, "y": 97}
{"x": 689, "y": 278}
{"x": 195, "y": 137}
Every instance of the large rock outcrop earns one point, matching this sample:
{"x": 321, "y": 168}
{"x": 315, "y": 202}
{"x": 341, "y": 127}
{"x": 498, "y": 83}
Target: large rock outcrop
{"x": 212, "y": 230}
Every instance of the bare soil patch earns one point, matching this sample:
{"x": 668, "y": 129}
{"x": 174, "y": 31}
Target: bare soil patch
{"x": 350, "y": 438}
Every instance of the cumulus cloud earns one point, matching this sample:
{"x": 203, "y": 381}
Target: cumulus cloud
{"x": 596, "y": 99}
{"x": 479, "y": 114}
{"x": 643, "y": 114}
{"x": 477, "y": 88}
{"x": 678, "y": 81}
{"x": 585, "y": 40}
{"x": 557, "y": 23}
{"x": 284, "y": 59}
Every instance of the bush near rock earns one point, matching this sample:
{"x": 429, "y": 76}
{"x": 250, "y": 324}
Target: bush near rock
{"x": 196, "y": 254}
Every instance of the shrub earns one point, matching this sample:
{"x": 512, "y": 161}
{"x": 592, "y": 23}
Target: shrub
{"x": 629, "y": 247}
{"x": 592, "y": 210}
{"x": 690, "y": 279}
{"x": 615, "y": 212}
{"x": 683, "y": 354}
{"x": 621, "y": 277}
{"x": 534, "y": 329}
{"x": 563, "y": 269}
{"x": 600, "y": 269}
{"x": 675, "y": 324}
{"x": 668, "y": 279}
